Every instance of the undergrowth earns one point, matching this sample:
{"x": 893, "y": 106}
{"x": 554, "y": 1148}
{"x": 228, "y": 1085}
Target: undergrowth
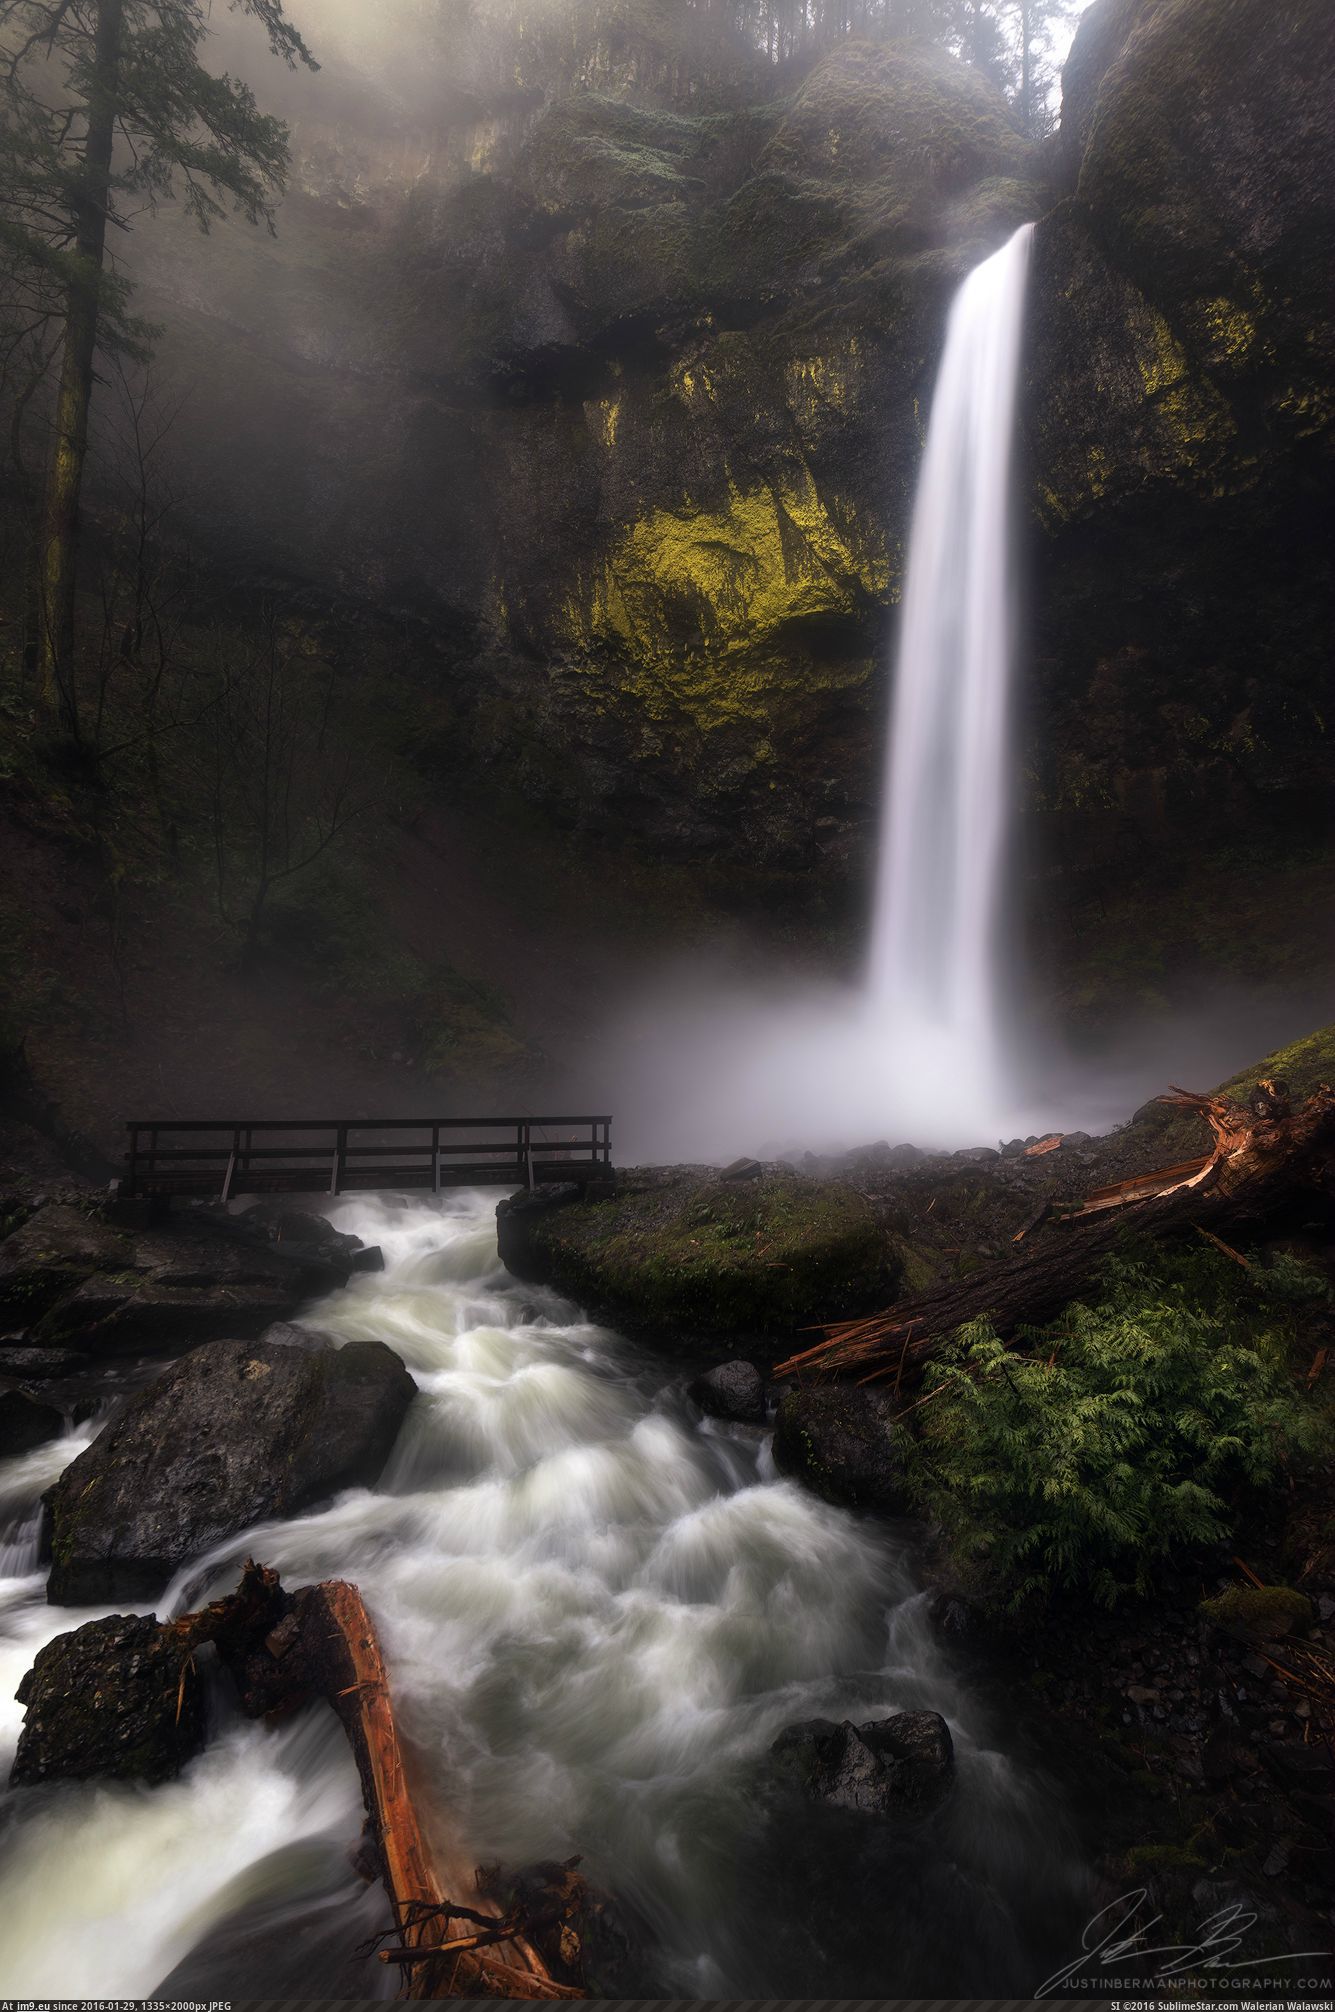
{"x": 1126, "y": 1431}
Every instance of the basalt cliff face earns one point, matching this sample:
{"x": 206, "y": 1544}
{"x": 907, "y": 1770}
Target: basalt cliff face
{"x": 615, "y": 405}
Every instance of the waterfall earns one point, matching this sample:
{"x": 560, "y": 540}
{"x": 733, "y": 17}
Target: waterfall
{"x": 936, "y": 977}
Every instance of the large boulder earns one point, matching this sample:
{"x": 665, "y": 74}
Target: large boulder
{"x": 117, "y": 1698}
{"x": 690, "y": 1260}
{"x": 233, "y": 1433}
{"x": 836, "y": 1439}
{"x": 897, "y": 1766}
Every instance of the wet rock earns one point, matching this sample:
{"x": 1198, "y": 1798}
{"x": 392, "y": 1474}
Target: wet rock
{"x": 180, "y": 1286}
{"x": 279, "y": 1222}
{"x": 836, "y": 1440}
{"x": 41, "y": 1365}
{"x": 232, "y": 1433}
{"x": 734, "y": 1390}
{"x": 286, "y": 1334}
{"x": 742, "y": 1170}
{"x": 25, "y": 1422}
{"x": 116, "y": 1698}
{"x": 49, "y": 1255}
{"x": 897, "y": 1766}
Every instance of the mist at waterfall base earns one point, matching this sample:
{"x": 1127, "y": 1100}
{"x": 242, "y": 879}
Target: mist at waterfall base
{"x": 599, "y": 1610}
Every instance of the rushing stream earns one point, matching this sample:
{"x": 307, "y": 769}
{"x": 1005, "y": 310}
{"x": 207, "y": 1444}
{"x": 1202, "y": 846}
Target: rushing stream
{"x": 599, "y": 1611}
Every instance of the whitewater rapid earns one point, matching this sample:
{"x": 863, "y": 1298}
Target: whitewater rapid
{"x": 599, "y": 1610}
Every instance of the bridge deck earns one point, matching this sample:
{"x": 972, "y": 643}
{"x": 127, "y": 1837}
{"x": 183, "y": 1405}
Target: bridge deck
{"x": 337, "y": 1156}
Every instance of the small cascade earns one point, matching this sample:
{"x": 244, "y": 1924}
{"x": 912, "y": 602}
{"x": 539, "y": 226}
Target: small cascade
{"x": 937, "y": 982}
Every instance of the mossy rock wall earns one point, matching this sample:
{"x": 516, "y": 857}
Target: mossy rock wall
{"x": 1180, "y": 423}
{"x": 614, "y": 383}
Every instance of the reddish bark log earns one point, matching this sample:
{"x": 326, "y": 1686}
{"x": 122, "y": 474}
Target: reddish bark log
{"x": 1263, "y": 1155}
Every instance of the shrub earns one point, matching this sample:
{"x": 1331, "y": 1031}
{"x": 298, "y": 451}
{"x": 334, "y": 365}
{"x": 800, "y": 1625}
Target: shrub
{"x": 1120, "y": 1433}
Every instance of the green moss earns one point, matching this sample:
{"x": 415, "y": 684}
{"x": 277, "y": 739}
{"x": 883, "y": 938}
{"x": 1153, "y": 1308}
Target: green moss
{"x": 719, "y": 1260}
{"x": 1302, "y": 1065}
{"x": 683, "y": 606}
{"x": 1258, "y": 1613}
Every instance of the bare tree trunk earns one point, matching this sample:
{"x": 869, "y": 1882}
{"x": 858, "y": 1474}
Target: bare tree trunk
{"x": 61, "y": 529}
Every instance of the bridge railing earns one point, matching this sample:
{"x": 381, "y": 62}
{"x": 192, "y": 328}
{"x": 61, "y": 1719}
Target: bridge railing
{"x": 335, "y": 1156}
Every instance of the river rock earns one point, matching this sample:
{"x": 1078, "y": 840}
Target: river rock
{"x": 734, "y": 1390}
{"x": 181, "y": 1285}
{"x": 25, "y": 1422}
{"x": 287, "y": 1334}
{"x": 836, "y": 1440}
{"x": 41, "y": 1365}
{"x": 897, "y": 1766}
{"x": 49, "y": 1255}
{"x": 233, "y": 1433}
{"x": 116, "y": 1698}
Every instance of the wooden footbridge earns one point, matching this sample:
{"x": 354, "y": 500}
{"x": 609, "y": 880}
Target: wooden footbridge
{"x": 337, "y": 1156}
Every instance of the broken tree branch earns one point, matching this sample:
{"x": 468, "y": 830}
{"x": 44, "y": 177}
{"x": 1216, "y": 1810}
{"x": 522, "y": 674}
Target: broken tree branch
{"x": 1262, "y": 1155}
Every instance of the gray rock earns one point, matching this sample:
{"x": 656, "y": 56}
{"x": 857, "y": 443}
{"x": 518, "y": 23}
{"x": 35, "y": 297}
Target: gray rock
{"x": 836, "y": 1440}
{"x": 734, "y": 1390}
{"x": 49, "y": 1255}
{"x": 40, "y": 1365}
{"x": 25, "y": 1422}
{"x": 742, "y": 1170}
{"x": 116, "y": 1698}
{"x": 896, "y": 1766}
{"x": 180, "y": 1286}
{"x": 286, "y": 1334}
{"x": 233, "y": 1433}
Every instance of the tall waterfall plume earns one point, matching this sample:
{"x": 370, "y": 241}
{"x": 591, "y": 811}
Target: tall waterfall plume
{"x": 937, "y": 981}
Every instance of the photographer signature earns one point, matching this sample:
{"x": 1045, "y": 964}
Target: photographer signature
{"x": 1106, "y": 1941}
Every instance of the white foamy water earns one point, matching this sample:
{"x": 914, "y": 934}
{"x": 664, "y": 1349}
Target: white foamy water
{"x": 935, "y": 973}
{"x": 598, "y": 1614}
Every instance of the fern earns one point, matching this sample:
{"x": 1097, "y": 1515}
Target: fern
{"x": 1100, "y": 1445}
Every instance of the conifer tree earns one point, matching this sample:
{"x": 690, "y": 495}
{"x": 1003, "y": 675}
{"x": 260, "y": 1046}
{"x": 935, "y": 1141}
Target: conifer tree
{"x": 106, "y": 108}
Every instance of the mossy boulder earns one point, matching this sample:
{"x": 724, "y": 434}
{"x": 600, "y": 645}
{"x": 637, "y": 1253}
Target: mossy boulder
{"x": 694, "y": 1261}
{"x": 118, "y": 1699}
{"x": 1258, "y": 1613}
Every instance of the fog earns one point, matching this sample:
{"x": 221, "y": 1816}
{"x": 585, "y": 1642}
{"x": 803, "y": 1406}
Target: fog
{"x": 706, "y": 1064}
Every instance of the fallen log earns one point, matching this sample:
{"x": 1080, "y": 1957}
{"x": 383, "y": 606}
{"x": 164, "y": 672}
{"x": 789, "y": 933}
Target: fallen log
{"x": 347, "y": 1667}
{"x": 1263, "y": 1154}
{"x": 284, "y": 1649}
